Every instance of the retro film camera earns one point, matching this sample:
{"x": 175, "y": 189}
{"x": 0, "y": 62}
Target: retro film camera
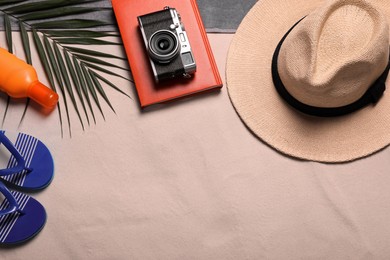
{"x": 167, "y": 44}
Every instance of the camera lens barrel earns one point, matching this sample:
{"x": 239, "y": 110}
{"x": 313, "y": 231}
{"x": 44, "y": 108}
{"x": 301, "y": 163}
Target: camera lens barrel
{"x": 163, "y": 46}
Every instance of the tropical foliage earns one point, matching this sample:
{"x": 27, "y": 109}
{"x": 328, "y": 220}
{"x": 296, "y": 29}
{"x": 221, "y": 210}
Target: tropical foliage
{"x": 56, "y": 30}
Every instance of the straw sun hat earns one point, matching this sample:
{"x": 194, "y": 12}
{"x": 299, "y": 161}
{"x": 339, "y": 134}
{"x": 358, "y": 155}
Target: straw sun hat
{"x": 308, "y": 77}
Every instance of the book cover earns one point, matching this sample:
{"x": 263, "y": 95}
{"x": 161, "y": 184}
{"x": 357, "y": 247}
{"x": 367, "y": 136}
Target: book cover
{"x": 206, "y": 76}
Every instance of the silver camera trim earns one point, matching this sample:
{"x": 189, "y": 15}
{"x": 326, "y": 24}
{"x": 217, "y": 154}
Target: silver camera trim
{"x": 183, "y": 41}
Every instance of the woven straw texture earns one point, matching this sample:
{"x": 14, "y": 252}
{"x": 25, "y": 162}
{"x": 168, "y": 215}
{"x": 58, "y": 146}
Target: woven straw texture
{"x": 346, "y": 33}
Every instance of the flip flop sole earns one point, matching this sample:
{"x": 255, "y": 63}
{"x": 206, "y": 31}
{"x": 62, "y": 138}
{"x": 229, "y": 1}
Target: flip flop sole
{"x": 37, "y": 157}
{"x": 16, "y": 228}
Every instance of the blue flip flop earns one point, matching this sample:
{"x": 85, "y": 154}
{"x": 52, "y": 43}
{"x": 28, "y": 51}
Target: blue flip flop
{"x": 25, "y": 162}
{"x": 21, "y": 217}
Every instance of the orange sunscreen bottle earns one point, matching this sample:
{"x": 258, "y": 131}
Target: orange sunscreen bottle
{"x": 19, "y": 79}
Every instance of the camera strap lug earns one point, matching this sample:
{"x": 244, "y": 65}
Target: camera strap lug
{"x": 187, "y": 76}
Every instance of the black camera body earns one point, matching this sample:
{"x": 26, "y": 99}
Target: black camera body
{"x": 167, "y": 45}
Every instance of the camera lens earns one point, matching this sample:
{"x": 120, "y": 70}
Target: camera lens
{"x": 163, "y": 46}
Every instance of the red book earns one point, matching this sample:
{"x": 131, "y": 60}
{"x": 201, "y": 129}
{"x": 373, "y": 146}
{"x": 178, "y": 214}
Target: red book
{"x": 206, "y": 76}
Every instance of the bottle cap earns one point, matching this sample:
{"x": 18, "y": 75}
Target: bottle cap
{"x": 42, "y": 95}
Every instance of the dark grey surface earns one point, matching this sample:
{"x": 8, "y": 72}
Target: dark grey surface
{"x": 224, "y": 15}
{"x": 217, "y": 15}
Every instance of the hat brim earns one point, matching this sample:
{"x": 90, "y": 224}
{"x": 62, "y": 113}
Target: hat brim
{"x": 267, "y": 115}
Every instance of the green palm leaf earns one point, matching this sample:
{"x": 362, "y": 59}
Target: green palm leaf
{"x": 26, "y": 42}
{"x": 91, "y": 88}
{"x": 76, "y": 82}
{"x": 27, "y": 51}
{"x": 99, "y": 88}
{"x": 57, "y": 75}
{"x": 93, "y": 53}
{"x": 78, "y": 33}
{"x": 99, "y": 68}
{"x": 55, "y": 13}
{"x": 66, "y": 80}
{"x": 8, "y": 2}
{"x": 8, "y": 32}
{"x": 69, "y": 24}
{"x": 44, "y": 59}
{"x": 79, "y": 73}
{"x": 83, "y": 85}
{"x": 110, "y": 84}
{"x": 30, "y": 6}
{"x": 85, "y": 41}
{"x": 97, "y": 61}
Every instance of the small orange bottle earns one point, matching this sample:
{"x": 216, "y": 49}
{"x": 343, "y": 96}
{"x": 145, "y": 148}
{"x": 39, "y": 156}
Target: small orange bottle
{"x": 19, "y": 80}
